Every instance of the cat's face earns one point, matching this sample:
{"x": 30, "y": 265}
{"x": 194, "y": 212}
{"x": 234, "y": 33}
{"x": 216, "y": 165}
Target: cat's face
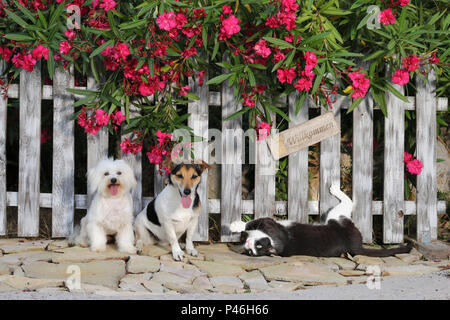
{"x": 257, "y": 243}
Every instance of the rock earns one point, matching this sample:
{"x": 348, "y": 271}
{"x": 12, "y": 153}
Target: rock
{"x": 303, "y": 259}
{"x": 25, "y": 283}
{"x": 154, "y": 287}
{"x": 163, "y": 277}
{"x": 79, "y": 254}
{"x": 254, "y": 280}
{"x": 367, "y": 260}
{"x": 105, "y": 273}
{"x": 180, "y": 287}
{"x": 91, "y": 288}
{"x": 218, "y": 269}
{"x": 220, "y": 253}
{"x": 19, "y": 245}
{"x": 434, "y": 250}
{"x": 142, "y": 264}
{"x": 137, "y": 277}
{"x": 202, "y": 284}
{"x": 409, "y": 270}
{"x": 304, "y": 272}
{"x": 18, "y": 271}
{"x": 406, "y": 257}
{"x": 4, "y": 269}
{"x": 57, "y": 245}
{"x": 154, "y": 251}
{"x": 393, "y": 261}
{"x": 133, "y": 282}
{"x": 15, "y": 259}
{"x": 343, "y": 264}
{"x": 283, "y": 286}
{"x": 351, "y": 273}
{"x": 4, "y": 287}
{"x": 187, "y": 271}
{"x": 52, "y": 290}
{"x": 227, "y": 284}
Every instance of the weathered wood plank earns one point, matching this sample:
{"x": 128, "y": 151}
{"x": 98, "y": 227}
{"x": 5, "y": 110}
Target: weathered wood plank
{"x": 298, "y": 168}
{"x": 158, "y": 181}
{"x": 29, "y": 152}
{"x": 232, "y": 140}
{"x": 362, "y": 164}
{"x": 393, "y": 188}
{"x": 63, "y": 188}
{"x": 265, "y": 167}
{"x": 135, "y": 161}
{"x": 426, "y": 196}
{"x": 97, "y": 146}
{"x": 3, "y": 116}
{"x": 330, "y": 151}
{"x": 198, "y": 121}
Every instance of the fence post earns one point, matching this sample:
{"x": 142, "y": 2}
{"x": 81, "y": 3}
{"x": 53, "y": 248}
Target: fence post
{"x": 363, "y": 167}
{"x": 63, "y": 198}
{"x": 3, "y": 116}
{"x": 426, "y": 196}
{"x": 393, "y": 188}
{"x": 330, "y": 159}
{"x": 97, "y": 146}
{"x": 29, "y": 152}
{"x": 232, "y": 140}
{"x": 298, "y": 167}
{"x": 198, "y": 121}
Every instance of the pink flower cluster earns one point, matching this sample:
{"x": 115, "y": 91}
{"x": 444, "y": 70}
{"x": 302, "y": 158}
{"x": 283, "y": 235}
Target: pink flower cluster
{"x": 161, "y": 149}
{"x": 91, "y": 123}
{"x": 306, "y": 76}
{"x": 411, "y": 64}
{"x": 230, "y": 26}
{"x": 414, "y": 166}
{"x": 360, "y": 84}
{"x": 262, "y": 130}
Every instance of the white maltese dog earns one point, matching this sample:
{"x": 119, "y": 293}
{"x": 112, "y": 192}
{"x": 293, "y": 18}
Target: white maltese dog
{"x": 111, "y": 209}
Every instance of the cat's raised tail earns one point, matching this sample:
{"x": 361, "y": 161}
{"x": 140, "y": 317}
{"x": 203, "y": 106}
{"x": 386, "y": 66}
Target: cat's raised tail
{"x": 342, "y": 209}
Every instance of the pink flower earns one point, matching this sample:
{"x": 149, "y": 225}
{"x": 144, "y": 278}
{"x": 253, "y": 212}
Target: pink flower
{"x": 128, "y": 146}
{"x": 64, "y": 47}
{"x": 411, "y": 63}
{"x": 303, "y": 84}
{"x": 70, "y": 34}
{"x": 360, "y": 84}
{"x": 407, "y": 157}
{"x": 434, "y": 59}
{"x": 117, "y": 118}
{"x": 163, "y": 137}
{"x": 122, "y": 50}
{"x": 386, "y": 17}
{"x": 167, "y": 21}
{"x": 229, "y": 27}
{"x": 414, "y": 166}
{"x": 262, "y": 49}
{"x": 400, "y": 77}
{"x": 189, "y": 52}
{"x": 5, "y": 53}
{"x": 184, "y": 90}
{"x": 101, "y": 117}
{"x": 39, "y": 52}
{"x": 403, "y": 3}
{"x": 289, "y": 5}
{"x": 311, "y": 59}
{"x": 277, "y": 57}
{"x": 227, "y": 10}
{"x": 263, "y": 130}
{"x": 146, "y": 89}
{"x": 286, "y": 75}
{"x": 155, "y": 156}
{"x": 108, "y": 5}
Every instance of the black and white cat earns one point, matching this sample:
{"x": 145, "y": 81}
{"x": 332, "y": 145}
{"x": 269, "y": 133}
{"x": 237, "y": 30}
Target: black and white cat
{"x": 337, "y": 235}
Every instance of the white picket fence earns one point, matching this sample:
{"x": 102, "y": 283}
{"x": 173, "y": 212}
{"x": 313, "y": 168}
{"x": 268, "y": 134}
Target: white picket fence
{"x": 64, "y": 201}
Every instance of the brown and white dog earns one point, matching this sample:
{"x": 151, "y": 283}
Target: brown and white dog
{"x": 173, "y": 212}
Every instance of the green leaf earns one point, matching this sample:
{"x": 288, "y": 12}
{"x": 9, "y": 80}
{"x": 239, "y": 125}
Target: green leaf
{"x": 17, "y": 19}
{"x": 354, "y": 104}
{"x": 396, "y": 92}
{"x": 133, "y": 24}
{"x": 237, "y": 113}
{"x": 18, "y": 37}
{"x": 219, "y": 79}
{"x": 101, "y": 48}
{"x": 278, "y": 42}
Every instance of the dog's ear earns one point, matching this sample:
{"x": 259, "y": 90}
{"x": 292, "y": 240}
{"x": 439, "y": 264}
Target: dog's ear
{"x": 93, "y": 178}
{"x": 204, "y": 166}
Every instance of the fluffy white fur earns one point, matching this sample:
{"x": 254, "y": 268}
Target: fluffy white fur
{"x": 110, "y": 212}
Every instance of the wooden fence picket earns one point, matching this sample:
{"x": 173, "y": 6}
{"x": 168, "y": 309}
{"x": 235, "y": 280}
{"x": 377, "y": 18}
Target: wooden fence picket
{"x": 232, "y": 141}
{"x": 63, "y": 200}
{"x": 330, "y": 152}
{"x": 362, "y": 164}
{"x": 198, "y": 121}
{"x": 393, "y": 188}
{"x": 298, "y": 167}
{"x": 3, "y": 194}
{"x": 29, "y": 152}
{"x": 426, "y": 196}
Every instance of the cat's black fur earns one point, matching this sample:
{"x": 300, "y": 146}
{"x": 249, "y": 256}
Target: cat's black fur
{"x": 326, "y": 240}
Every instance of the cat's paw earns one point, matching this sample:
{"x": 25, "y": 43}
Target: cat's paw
{"x": 237, "y": 226}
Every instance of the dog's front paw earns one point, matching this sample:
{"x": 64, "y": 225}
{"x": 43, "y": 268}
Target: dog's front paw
{"x": 192, "y": 251}
{"x": 139, "y": 245}
{"x": 130, "y": 250}
{"x": 177, "y": 254}
{"x": 98, "y": 248}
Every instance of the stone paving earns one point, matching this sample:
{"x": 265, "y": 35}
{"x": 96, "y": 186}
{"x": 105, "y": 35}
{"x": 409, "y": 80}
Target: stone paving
{"x": 51, "y": 266}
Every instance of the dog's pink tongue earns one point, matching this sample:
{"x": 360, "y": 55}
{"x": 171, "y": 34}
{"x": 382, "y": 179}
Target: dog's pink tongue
{"x": 114, "y": 189}
{"x": 186, "y": 201}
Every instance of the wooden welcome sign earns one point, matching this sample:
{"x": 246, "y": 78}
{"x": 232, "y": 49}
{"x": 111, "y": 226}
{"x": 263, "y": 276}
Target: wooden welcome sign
{"x": 303, "y": 135}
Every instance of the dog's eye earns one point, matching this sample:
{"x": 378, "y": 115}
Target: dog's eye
{"x": 119, "y": 173}
{"x": 179, "y": 176}
{"x": 194, "y": 176}
{"x": 106, "y": 173}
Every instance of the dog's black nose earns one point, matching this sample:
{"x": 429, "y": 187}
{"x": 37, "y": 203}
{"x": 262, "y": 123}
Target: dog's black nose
{"x": 113, "y": 180}
{"x": 187, "y": 191}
